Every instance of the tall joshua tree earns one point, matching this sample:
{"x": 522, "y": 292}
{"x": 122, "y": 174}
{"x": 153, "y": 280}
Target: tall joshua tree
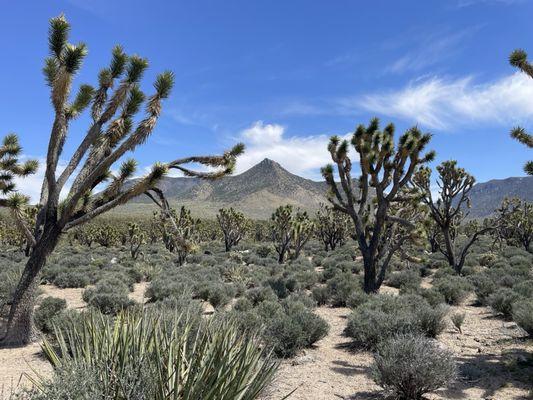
{"x": 381, "y": 226}
{"x": 448, "y": 211}
{"x": 111, "y": 133}
{"x": 518, "y": 59}
{"x": 281, "y": 230}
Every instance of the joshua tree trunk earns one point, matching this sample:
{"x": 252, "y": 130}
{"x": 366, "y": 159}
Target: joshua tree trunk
{"x": 20, "y": 329}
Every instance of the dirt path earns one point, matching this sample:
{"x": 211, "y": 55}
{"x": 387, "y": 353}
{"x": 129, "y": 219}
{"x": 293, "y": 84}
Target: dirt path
{"x": 328, "y": 371}
{"x": 494, "y": 362}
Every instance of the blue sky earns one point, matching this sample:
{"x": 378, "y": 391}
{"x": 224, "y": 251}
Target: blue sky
{"x": 283, "y": 76}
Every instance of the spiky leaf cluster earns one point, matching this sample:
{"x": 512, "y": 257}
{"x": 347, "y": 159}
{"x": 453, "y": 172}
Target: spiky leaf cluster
{"x": 518, "y": 59}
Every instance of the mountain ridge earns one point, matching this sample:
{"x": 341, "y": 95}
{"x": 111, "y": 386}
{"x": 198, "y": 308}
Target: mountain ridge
{"x": 259, "y": 190}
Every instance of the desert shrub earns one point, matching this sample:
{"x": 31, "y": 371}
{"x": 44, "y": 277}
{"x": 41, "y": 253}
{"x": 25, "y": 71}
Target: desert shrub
{"x": 409, "y": 366}
{"x": 9, "y": 278}
{"x": 110, "y": 296}
{"x": 284, "y": 335}
{"x": 454, "y": 288}
{"x": 263, "y": 251}
{"x": 321, "y": 295}
{"x": 523, "y": 315}
{"x": 502, "y": 301}
{"x": 432, "y": 296}
{"x": 457, "y": 320}
{"x": 47, "y": 312}
{"x": 341, "y": 286}
{"x": 243, "y": 304}
{"x": 484, "y": 286}
{"x": 161, "y": 289}
{"x": 109, "y": 302}
{"x": 406, "y": 278}
{"x": 258, "y": 295}
{"x": 382, "y": 316}
{"x": 487, "y": 259}
{"x": 219, "y": 296}
{"x": 71, "y": 279}
{"x": 292, "y": 328}
{"x": 281, "y": 286}
{"x": 443, "y": 272}
{"x": 524, "y": 288}
{"x": 356, "y": 298}
{"x": 431, "y": 320}
{"x": 301, "y": 297}
{"x": 220, "y": 360}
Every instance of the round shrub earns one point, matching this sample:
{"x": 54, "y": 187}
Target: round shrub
{"x": 409, "y": 366}
{"x": 484, "y": 286}
{"x": 218, "y": 296}
{"x": 405, "y": 279}
{"x": 502, "y": 301}
{"x": 321, "y": 295}
{"x": 454, "y": 288}
{"x": 258, "y": 295}
{"x": 292, "y": 328}
{"x": 110, "y": 303}
{"x": 523, "y": 315}
{"x": 340, "y": 287}
{"x": 71, "y": 279}
{"x": 382, "y": 316}
{"x": 47, "y": 312}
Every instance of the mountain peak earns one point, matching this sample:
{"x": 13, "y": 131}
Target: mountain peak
{"x": 267, "y": 162}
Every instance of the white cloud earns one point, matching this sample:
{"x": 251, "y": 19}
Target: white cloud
{"x": 430, "y": 49}
{"x": 440, "y": 104}
{"x": 301, "y": 155}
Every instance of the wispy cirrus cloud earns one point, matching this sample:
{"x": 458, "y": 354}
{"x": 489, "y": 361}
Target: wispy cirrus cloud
{"x": 424, "y": 50}
{"x": 441, "y": 103}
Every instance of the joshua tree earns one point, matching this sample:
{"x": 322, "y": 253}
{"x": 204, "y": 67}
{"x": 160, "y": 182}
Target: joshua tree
{"x": 331, "y": 227}
{"x": 234, "y": 226}
{"x": 387, "y": 170}
{"x": 290, "y": 232}
{"x": 112, "y": 132}
{"x": 448, "y": 210}
{"x": 281, "y": 230}
{"x": 301, "y": 231}
{"x": 518, "y": 59}
{"x": 178, "y": 230}
{"x": 136, "y": 239}
{"x": 515, "y": 222}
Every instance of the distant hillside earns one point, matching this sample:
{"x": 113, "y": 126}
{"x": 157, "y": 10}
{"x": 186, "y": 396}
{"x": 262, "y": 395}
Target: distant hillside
{"x": 487, "y": 196}
{"x": 258, "y": 191}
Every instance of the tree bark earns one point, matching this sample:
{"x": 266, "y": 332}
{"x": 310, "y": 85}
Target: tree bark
{"x": 370, "y": 279}
{"x": 20, "y": 328}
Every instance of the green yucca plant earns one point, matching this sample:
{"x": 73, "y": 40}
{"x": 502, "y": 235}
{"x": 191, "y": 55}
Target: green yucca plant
{"x": 167, "y": 356}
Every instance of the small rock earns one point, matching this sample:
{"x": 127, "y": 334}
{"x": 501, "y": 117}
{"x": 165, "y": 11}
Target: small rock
{"x": 306, "y": 358}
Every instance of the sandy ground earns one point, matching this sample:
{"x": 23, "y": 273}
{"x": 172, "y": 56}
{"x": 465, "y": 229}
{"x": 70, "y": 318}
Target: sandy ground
{"x": 494, "y": 359}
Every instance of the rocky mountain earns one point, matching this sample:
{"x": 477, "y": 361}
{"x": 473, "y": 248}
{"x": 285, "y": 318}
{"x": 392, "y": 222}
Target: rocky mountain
{"x": 267, "y": 185}
{"x": 487, "y": 196}
{"x": 256, "y": 192}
